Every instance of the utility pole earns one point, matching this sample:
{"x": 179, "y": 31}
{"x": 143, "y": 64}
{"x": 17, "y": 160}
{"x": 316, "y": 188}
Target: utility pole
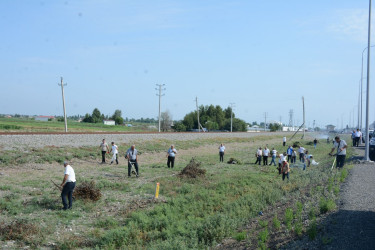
{"x": 291, "y": 119}
{"x": 359, "y": 105}
{"x": 304, "y": 123}
{"x": 231, "y": 115}
{"x": 314, "y": 125}
{"x": 265, "y": 120}
{"x": 196, "y": 102}
{"x": 367, "y": 139}
{"x": 63, "y": 99}
{"x": 160, "y": 89}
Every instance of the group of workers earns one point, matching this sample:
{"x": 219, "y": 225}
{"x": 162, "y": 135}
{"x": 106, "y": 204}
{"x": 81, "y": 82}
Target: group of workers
{"x": 69, "y": 180}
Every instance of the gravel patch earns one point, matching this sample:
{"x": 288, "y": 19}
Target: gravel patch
{"x": 22, "y": 142}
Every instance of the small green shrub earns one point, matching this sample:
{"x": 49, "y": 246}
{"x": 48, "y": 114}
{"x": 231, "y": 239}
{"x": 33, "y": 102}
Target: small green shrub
{"x": 288, "y": 218}
{"x": 312, "y": 230}
{"x": 336, "y": 190}
{"x": 298, "y": 228}
{"x": 107, "y": 223}
{"x": 263, "y": 224}
{"x": 326, "y": 205}
{"x": 240, "y": 236}
{"x": 263, "y": 238}
{"x": 276, "y": 222}
{"x": 344, "y": 174}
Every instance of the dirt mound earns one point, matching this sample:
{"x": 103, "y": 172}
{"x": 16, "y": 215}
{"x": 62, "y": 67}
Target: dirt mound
{"x": 296, "y": 144}
{"x": 87, "y": 191}
{"x": 192, "y": 170}
{"x": 234, "y": 161}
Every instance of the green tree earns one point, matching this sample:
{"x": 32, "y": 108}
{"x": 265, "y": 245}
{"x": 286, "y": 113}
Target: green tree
{"x": 274, "y": 127}
{"x": 179, "y": 127}
{"x": 117, "y": 117}
{"x": 97, "y": 117}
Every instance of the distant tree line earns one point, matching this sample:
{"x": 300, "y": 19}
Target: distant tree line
{"x": 212, "y": 118}
{"x": 97, "y": 117}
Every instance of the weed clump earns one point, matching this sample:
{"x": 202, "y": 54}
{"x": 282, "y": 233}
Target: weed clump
{"x": 192, "y": 170}
{"x": 19, "y": 230}
{"x": 234, "y": 161}
{"x": 296, "y": 144}
{"x": 87, "y": 191}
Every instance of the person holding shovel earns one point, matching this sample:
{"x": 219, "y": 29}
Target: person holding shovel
{"x": 132, "y": 156}
{"x": 67, "y": 186}
{"x": 341, "y": 146}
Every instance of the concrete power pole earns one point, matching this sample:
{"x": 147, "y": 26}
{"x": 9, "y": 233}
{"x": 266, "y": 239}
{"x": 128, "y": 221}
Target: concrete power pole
{"x": 63, "y": 99}
{"x": 160, "y": 89}
{"x": 265, "y": 120}
{"x": 367, "y": 139}
{"x": 231, "y": 115}
{"x": 304, "y": 124}
{"x": 196, "y": 103}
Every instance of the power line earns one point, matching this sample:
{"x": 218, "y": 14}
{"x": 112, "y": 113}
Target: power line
{"x": 63, "y": 99}
{"x": 160, "y": 89}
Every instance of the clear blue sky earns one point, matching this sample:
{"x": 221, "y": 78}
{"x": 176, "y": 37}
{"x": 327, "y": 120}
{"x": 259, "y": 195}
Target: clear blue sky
{"x": 261, "y": 55}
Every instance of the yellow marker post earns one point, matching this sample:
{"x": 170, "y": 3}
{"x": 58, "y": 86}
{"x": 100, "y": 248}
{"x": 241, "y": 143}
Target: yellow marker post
{"x": 157, "y": 190}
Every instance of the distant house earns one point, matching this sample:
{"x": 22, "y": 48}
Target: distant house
{"x": 109, "y": 122}
{"x": 44, "y": 118}
{"x": 330, "y": 127}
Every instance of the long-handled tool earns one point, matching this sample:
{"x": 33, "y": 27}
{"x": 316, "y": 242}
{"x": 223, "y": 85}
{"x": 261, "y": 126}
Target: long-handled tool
{"x": 56, "y": 185}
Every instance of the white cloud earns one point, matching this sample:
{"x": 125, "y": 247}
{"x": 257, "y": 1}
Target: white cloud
{"x": 349, "y": 24}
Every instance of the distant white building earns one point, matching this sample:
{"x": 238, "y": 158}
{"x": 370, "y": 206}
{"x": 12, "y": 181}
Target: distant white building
{"x": 43, "y": 118}
{"x": 109, "y": 122}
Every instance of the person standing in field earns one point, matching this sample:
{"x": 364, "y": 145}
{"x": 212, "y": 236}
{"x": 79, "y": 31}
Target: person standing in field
{"x": 266, "y": 153}
{"x": 273, "y": 155}
{"x": 67, "y": 186}
{"x": 358, "y": 135}
{"x": 289, "y": 151}
{"x": 171, "y": 154}
{"x": 105, "y": 149}
{"x": 132, "y": 156}
{"x": 114, "y": 151}
{"x": 285, "y": 169}
{"x": 353, "y": 138}
{"x": 294, "y": 156}
{"x": 221, "y": 152}
{"x": 258, "y": 155}
{"x": 315, "y": 142}
{"x": 282, "y": 157}
{"x": 284, "y": 141}
{"x": 340, "y": 146}
{"x": 301, "y": 152}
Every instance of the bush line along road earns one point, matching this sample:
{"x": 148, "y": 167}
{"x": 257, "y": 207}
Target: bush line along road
{"x": 220, "y": 209}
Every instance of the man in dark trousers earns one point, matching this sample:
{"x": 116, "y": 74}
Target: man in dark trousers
{"x": 340, "y": 146}
{"x": 171, "y": 154}
{"x": 104, "y": 148}
{"x": 67, "y": 186}
{"x": 132, "y": 155}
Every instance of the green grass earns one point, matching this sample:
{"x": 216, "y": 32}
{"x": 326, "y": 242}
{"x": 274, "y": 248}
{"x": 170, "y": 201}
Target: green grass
{"x": 191, "y": 213}
{"x": 30, "y": 125}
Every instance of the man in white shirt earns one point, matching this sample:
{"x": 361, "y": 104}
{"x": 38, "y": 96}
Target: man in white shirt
{"x": 340, "y": 146}
{"x": 284, "y": 141}
{"x": 266, "y": 152}
{"x": 258, "y": 155}
{"x": 132, "y": 156}
{"x": 68, "y": 184}
{"x": 171, "y": 154}
{"x": 114, "y": 151}
{"x": 221, "y": 152}
{"x": 273, "y": 154}
{"x": 357, "y": 135}
{"x": 301, "y": 152}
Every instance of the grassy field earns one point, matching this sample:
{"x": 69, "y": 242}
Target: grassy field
{"x": 220, "y": 207}
{"x": 29, "y": 125}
